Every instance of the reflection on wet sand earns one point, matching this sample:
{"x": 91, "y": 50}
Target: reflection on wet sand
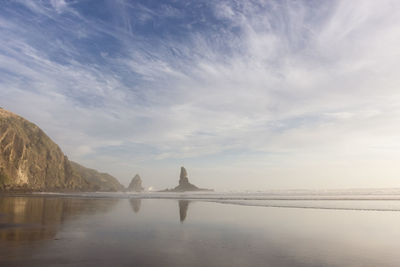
{"x": 135, "y": 204}
{"x": 183, "y": 208}
{"x": 36, "y": 231}
{"x": 39, "y": 218}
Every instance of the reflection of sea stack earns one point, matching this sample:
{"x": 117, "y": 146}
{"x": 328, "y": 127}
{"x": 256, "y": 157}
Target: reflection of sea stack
{"x": 136, "y": 184}
{"x": 183, "y": 207}
{"x": 135, "y": 204}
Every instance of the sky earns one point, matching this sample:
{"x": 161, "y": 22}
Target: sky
{"x": 247, "y": 95}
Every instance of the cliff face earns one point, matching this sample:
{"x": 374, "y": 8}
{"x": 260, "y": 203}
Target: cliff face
{"x": 30, "y": 160}
{"x": 136, "y": 184}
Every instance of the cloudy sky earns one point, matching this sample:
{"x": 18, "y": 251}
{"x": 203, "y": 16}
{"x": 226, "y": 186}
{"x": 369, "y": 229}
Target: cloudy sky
{"x": 245, "y": 94}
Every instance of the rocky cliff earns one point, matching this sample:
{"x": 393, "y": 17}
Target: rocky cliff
{"x": 30, "y": 160}
{"x": 136, "y": 184}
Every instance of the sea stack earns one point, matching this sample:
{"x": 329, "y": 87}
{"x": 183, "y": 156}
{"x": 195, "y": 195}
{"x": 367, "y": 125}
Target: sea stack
{"x": 183, "y": 179}
{"x": 185, "y": 185}
{"x": 136, "y": 184}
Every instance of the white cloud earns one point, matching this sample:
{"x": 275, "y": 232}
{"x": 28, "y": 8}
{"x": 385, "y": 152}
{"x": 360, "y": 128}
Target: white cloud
{"x": 59, "y": 5}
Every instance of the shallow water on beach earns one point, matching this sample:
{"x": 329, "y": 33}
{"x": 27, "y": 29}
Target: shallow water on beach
{"x": 111, "y": 231}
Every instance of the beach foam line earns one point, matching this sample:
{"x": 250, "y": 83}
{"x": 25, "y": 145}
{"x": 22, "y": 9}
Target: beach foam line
{"x": 316, "y": 207}
{"x": 227, "y": 196}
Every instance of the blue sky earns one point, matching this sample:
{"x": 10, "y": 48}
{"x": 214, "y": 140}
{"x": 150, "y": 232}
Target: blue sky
{"x": 245, "y": 94}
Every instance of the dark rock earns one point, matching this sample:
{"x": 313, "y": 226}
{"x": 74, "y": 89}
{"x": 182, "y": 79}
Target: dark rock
{"x": 136, "y": 184}
{"x": 184, "y": 184}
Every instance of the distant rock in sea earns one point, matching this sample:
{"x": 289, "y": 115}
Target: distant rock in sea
{"x": 31, "y": 161}
{"x": 184, "y": 184}
{"x": 136, "y": 184}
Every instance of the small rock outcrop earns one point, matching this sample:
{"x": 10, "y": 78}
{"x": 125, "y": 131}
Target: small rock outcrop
{"x": 184, "y": 184}
{"x": 136, "y": 184}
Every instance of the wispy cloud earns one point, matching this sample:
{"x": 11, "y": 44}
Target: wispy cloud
{"x": 292, "y": 92}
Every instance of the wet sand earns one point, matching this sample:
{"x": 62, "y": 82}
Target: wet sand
{"x": 59, "y": 231}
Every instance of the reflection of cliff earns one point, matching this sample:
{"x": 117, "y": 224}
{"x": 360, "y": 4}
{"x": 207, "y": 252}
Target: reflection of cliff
{"x": 135, "y": 204}
{"x": 37, "y": 218}
{"x": 183, "y": 208}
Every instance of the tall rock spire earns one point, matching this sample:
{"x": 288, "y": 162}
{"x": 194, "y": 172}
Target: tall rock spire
{"x": 183, "y": 179}
{"x": 184, "y": 184}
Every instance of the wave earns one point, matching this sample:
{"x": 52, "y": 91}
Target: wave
{"x": 287, "y": 195}
{"x": 370, "y": 205}
{"x": 362, "y": 200}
